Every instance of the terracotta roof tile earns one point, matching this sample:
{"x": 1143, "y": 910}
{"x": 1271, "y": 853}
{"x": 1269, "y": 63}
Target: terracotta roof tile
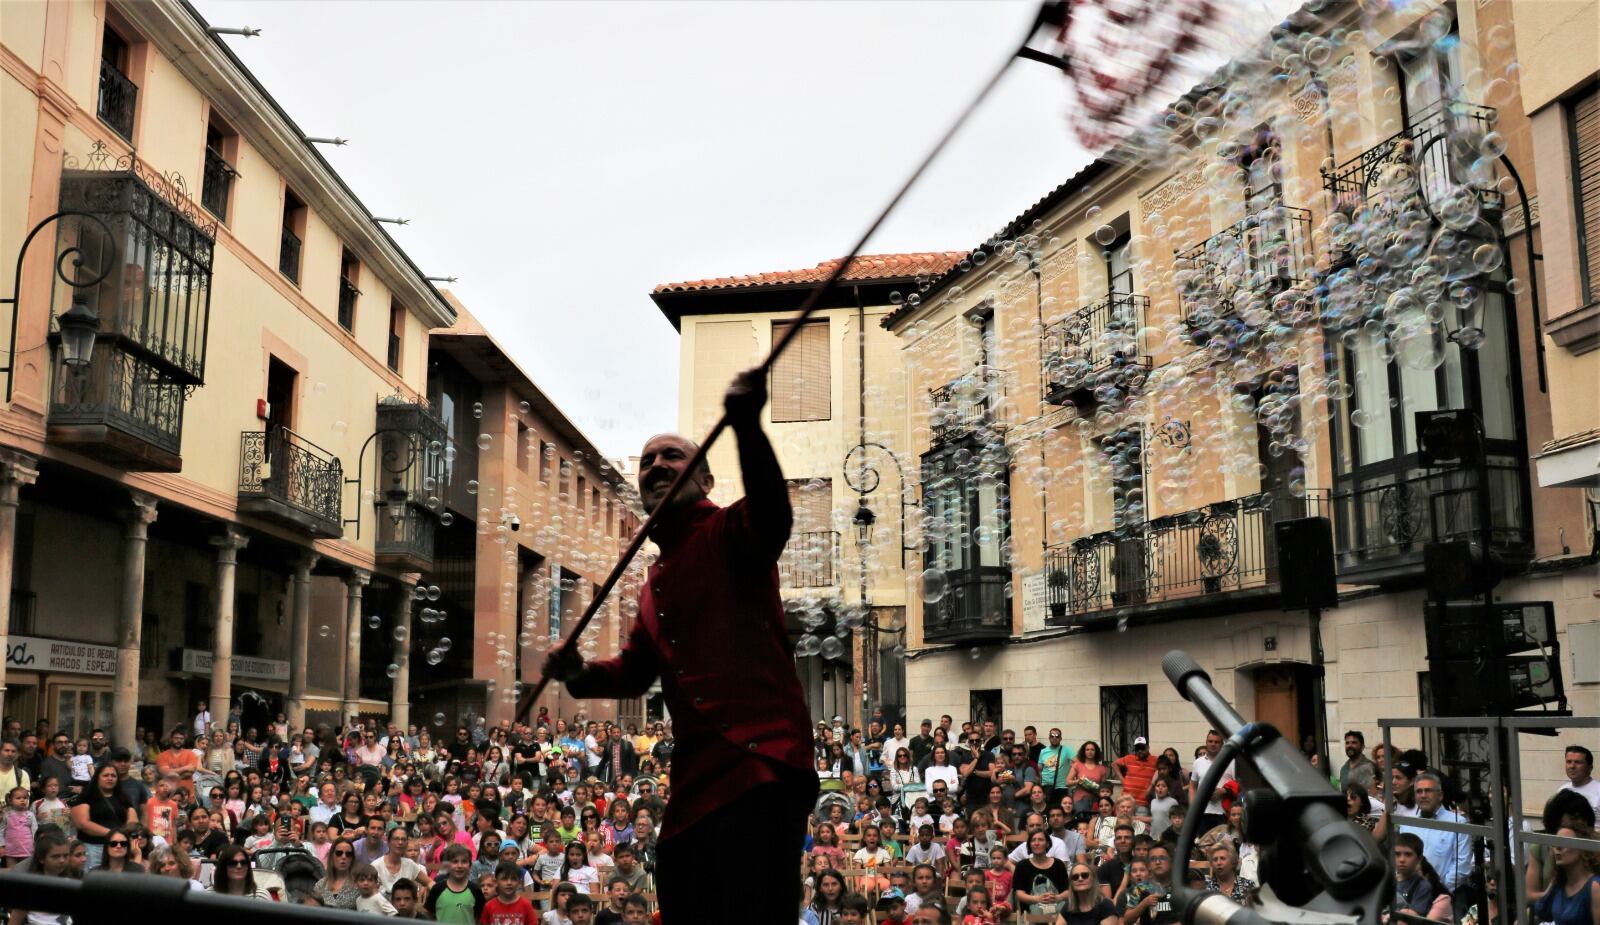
{"x": 871, "y": 266}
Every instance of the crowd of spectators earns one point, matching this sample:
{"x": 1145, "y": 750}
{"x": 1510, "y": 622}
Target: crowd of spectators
{"x": 554, "y": 822}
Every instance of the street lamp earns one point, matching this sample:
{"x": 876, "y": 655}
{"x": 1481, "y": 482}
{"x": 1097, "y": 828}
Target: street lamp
{"x": 79, "y": 325}
{"x": 863, "y": 519}
{"x": 394, "y": 498}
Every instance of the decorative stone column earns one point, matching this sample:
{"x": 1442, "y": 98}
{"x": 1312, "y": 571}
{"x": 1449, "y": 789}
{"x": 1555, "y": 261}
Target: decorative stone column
{"x": 353, "y": 583}
{"x": 16, "y": 470}
{"x": 228, "y": 545}
{"x": 400, "y": 699}
{"x": 131, "y": 618}
{"x": 299, "y": 636}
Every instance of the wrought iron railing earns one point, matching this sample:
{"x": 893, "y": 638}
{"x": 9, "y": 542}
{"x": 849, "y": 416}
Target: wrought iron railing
{"x": 1388, "y": 518}
{"x": 23, "y": 608}
{"x": 284, "y": 466}
{"x": 122, "y": 392}
{"x": 974, "y": 606}
{"x": 1239, "y": 271}
{"x": 289, "y": 255}
{"x": 410, "y": 537}
{"x": 348, "y": 293}
{"x": 966, "y": 405}
{"x": 1426, "y": 163}
{"x": 118, "y": 95}
{"x": 1226, "y": 546}
{"x": 156, "y": 297}
{"x": 215, "y": 184}
{"x": 810, "y": 560}
{"x": 1097, "y": 345}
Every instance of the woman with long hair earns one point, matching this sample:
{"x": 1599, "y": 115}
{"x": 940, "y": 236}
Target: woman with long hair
{"x": 100, "y": 808}
{"x": 1574, "y": 895}
{"x": 1087, "y": 776}
{"x": 902, "y": 771}
{"x": 235, "y": 877}
{"x": 495, "y": 771}
{"x": 1417, "y": 885}
{"x": 119, "y": 846}
{"x": 1083, "y": 903}
{"x": 940, "y": 769}
{"x": 349, "y": 818}
{"x": 337, "y": 889}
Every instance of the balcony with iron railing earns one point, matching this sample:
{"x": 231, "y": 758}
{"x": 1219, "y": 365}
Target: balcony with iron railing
{"x": 1383, "y": 521}
{"x": 216, "y": 182}
{"x": 1098, "y": 352}
{"x": 965, "y": 406}
{"x": 1177, "y": 561}
{"x": 972, "y": 606}
{"x": 810, "y": 561}
{"x": 1243, "y": 273}
{"x": 117, "y": 98}
{"x": 289, "y": 255}
{"x": 1433, "y": 166}
{"x": 286, "y": 478}
{"x": 119, "y": 409}
{"x": 405, "y": 537}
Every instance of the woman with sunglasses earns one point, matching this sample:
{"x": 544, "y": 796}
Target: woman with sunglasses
{"x": 1083, "y": 903}
{"x": 118, "y": 846}
{"x": 337, "y": 889}
{"x": 234, "y": 876}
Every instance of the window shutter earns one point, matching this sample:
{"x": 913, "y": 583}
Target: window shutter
{"x": 802, "y": 385}
{"x": 1586, "y": 171}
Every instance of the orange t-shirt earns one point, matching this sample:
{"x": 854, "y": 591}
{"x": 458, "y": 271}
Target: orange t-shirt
{"x": 175, "y": 762}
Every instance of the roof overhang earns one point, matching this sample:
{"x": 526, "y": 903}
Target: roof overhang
{"x": 780, "y": 297}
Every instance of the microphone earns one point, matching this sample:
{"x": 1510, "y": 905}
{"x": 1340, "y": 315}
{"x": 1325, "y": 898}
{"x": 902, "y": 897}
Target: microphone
{"x": 1297, "y": 817}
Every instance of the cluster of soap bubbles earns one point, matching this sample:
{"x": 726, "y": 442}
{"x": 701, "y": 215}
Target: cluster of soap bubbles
{"x": 1391, "y": 251}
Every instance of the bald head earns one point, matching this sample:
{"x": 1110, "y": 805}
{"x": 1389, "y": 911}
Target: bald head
{"x": 665, "y": 456}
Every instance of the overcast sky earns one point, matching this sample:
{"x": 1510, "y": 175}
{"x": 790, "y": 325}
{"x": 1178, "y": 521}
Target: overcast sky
{"x": 564, "y": 158}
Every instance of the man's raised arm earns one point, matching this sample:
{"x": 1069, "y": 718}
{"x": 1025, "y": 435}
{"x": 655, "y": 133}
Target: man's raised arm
{"x": 766, "y": 494}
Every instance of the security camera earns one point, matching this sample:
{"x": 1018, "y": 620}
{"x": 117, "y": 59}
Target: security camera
{"x": 512, "y": 521}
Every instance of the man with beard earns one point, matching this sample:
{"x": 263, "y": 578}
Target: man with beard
{"x": 1358, "y": 768}
{"x": 711, "y": 627}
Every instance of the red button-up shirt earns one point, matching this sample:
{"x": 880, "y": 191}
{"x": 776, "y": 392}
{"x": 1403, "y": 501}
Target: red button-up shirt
{"x": 711, "y": 627}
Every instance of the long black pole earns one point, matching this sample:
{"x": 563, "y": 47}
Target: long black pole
{"x": 807, "y": 309}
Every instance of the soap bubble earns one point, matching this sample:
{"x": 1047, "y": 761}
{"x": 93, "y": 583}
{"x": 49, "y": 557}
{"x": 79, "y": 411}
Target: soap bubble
{"x": 934, "y": 584}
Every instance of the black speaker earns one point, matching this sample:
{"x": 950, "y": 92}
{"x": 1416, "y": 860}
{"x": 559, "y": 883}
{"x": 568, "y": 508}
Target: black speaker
{"x": 1305, "y": 564}
{"x": 1457, "y": 569}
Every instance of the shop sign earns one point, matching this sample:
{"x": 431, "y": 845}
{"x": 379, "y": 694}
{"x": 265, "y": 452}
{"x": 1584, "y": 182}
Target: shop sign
{"x": 197, "y": 661}
{"x": 32, "y": 653}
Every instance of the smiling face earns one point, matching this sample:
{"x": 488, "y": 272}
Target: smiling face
{"x": 663, "y": 458}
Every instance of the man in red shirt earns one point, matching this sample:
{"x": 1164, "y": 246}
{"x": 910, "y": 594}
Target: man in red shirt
{"x": 1137, "y": 771}
{"x": 711, "y": 627}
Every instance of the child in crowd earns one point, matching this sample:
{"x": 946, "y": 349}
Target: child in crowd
{"x": 997, "y": 877}
{"x": 260, "y": 834}
{"x": 635, "y": 910}
{"x": 371, "y": 898}
{"x": 893, "y": 905}
{"x": 508, "y": 907}
{"x": 17, "y": 827}
{"x": 455, "y": 897}
{"x": 580, "y": 909}
{"x": 488, "y": 860}
{"x": 403, "y": 896}
{"x": 560, "y": 897}
{"x": 50, "y": 809}
{"x": 81, "y": 763}
{"x": 978, "y": 911}
{"x": 853, "y": 910}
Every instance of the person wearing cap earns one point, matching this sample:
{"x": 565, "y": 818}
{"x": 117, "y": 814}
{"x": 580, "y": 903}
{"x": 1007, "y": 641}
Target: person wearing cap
{"x": 1138, "y": 772}
{"x": 711, "y": 627}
